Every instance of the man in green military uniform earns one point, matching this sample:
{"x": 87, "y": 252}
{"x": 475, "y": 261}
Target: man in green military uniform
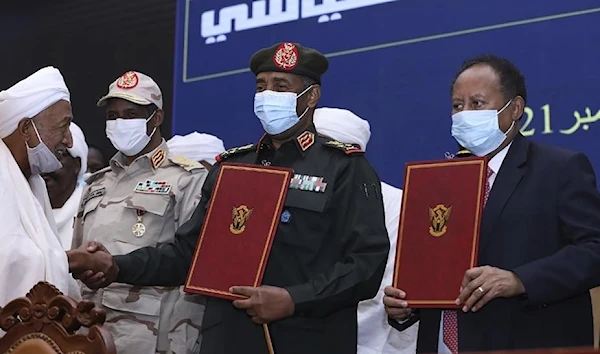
{"x": 331, "y": 246}
{"x": 140, "y": 200}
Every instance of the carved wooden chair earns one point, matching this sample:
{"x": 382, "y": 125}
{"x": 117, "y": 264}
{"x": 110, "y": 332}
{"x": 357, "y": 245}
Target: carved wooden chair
{"x": 46, "y": 322}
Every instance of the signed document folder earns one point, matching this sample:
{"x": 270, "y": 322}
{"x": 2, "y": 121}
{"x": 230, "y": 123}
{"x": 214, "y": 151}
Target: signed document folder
{"x": 438, "y": 235}
{"x": 238, "y": 230}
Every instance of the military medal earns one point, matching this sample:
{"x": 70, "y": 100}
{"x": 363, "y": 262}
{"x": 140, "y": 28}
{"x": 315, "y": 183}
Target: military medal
{"x": 139, "y": 229}
{"x": 308, "y": 183}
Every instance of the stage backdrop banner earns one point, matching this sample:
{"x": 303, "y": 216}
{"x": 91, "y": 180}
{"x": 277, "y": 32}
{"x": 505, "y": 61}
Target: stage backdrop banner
{"x": 392, "y": 63}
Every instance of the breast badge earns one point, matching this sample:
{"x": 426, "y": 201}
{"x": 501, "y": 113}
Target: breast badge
{"x": 240, "y": 217}
{"x": 439, "y": 217}
{"x": 308, "y": 183}
{"x": 153, "y": 187}
{"x": 285, "y": 216}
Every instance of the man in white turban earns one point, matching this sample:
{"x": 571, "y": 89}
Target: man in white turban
{"x": 196, "y": 146}
{"x": 65, "y": 186}
{"x": 375, "y": 335}
{"x": 34, "y": 128}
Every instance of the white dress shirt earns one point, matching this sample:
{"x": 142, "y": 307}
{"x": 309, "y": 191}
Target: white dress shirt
{"x": 494, "y": 164}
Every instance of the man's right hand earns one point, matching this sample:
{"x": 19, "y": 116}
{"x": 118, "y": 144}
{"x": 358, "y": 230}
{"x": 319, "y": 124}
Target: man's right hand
{"x": 395, "y": 305}
{"x": 93, "y": 265}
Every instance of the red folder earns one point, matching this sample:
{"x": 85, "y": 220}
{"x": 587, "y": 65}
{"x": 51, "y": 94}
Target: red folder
{"x": 438, "y": 235}
{"x": 238, "y": 230}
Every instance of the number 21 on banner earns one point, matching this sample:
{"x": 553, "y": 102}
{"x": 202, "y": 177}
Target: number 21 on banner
{"x": 526, "y": 131}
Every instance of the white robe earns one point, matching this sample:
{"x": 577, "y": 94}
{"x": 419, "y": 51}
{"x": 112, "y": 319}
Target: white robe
{"x": 375, "y": 335}
{"x": 65, "y": 216}
{"x": 30, "y": 251}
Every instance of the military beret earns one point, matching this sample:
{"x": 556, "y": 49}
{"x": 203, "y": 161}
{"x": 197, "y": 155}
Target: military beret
{"x": 290, "y": 58}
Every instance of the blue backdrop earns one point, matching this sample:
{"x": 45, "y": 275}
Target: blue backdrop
{"x": 391, "y": 62}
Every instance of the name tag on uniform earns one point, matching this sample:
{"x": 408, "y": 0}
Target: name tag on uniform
{"x": 153, "y": 187}
{"x": 91, "y": 195}
{"x": 308, "y": 183}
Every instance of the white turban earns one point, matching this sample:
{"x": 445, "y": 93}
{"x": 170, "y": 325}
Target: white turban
{"x": 79, "y": 149}
{"x": 196, "y": 146}
{"x": 343, "y": 126}
{"x": 29, "y": 97}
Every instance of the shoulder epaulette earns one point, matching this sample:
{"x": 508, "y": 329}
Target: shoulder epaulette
{"x": 346, "y": 148}
{"x": 185, "y": 163}
{"x": 97, "y": 174}
{"x": 234, "y": 151}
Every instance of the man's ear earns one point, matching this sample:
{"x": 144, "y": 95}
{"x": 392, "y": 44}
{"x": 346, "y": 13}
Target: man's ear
{"x": 158, "y": 118}
{"x": 25, "y": 129}
{"x": 518, "y": 108}
{"x": 314, "y": 95}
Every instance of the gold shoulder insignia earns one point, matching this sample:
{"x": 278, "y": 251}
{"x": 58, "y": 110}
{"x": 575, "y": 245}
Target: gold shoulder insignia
{"x": 464, "y": 153}
{"x": 187, "y": 164}
{"x": 233, "y": 151}
{"x": 97, "y": 174}
{"x": 158, "y": 158}
{"x": 346, "y": 148}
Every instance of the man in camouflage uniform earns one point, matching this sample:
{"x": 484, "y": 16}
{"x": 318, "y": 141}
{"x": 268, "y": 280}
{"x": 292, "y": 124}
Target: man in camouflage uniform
{"x": 140, "y": 200}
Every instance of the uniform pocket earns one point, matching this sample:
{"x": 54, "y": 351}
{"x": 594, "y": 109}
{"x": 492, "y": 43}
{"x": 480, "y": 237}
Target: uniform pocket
{"x": 306, "y": 222}
{"x": 306, "y": 200}
{"x": 156, "y": 204}
{"x": 133, "y": 317}
{"x": 90, "y": 206}
{"x": 135, "y": 301}
{"x": 153, "y": 219}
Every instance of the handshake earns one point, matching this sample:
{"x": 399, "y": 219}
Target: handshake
{"x": 93, "y": 265}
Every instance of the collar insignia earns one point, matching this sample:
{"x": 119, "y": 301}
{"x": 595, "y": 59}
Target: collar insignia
{"x": 158, "y": 158}
{"x": 306, "y": 140}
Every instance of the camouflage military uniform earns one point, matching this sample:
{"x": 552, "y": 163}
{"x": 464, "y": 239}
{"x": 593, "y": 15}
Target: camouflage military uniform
{"x": 129, "y": 207}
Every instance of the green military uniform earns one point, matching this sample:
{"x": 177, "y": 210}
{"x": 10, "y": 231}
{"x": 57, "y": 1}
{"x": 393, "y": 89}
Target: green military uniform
{"x": 130, "y": 207}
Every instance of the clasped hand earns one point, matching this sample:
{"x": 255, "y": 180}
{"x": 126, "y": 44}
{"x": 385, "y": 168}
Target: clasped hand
{"x": 93, "y": 265}
{"x": 479, "y": 286}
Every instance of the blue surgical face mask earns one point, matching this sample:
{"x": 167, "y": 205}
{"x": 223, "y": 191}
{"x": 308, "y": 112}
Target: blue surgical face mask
{"x": 41, "y": 159}
{"x": 277, "y": 110}
{"x": 478, "y": 130}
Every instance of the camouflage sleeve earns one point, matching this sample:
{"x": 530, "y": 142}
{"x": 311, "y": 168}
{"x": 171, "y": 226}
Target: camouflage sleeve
{"x": 190, "y": 192}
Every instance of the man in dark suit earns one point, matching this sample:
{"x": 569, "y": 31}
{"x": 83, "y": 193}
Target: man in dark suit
{"x": 539, "y": 251}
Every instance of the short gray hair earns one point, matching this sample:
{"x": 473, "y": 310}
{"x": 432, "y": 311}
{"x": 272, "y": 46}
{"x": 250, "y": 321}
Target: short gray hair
{"x": 307, "y": 82}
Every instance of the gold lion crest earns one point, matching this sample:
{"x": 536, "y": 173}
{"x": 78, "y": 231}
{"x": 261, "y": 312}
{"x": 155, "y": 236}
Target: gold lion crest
{"x": 439, "y": 217}
{"x": 240, "y": 217}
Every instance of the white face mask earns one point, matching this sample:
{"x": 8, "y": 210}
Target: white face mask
{"x": 129, "y": 135}
{"x": 41, "y": 159}
{"x": 277, "y": 110}
{"x": 478, "y": 130}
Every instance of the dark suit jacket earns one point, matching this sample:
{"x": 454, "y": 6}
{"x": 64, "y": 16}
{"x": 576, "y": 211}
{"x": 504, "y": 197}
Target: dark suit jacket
{"x": 541, "y": 221}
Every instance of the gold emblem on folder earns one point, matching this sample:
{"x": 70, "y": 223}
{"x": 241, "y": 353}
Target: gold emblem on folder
{"x": 240, "y": 217}
{"x": 439, "y": 217}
